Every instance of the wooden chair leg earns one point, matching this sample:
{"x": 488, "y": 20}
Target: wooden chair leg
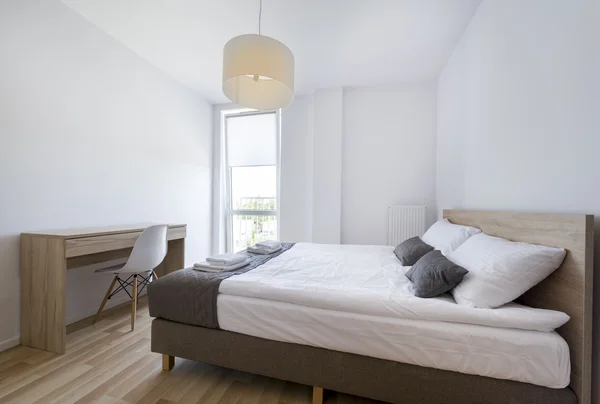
{"x": 110, "y": 288}
{"x": 168, "y": 362}
{"x": 317, "y": 395}
{"x": 154, "y": 275}
{"x": 134, "y": 292}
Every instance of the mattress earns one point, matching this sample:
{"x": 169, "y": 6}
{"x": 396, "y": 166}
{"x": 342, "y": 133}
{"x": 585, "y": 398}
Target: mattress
{"x": 535, "y": 357}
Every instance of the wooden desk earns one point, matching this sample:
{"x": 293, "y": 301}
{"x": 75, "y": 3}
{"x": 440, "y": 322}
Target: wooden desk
{"x": 45, "y": 259}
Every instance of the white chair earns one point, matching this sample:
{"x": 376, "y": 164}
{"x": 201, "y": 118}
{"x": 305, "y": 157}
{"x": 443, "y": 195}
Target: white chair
{"x": 148, "y": 253}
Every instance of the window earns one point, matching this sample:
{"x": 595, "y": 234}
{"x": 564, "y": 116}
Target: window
{"x": 251, "y": 159}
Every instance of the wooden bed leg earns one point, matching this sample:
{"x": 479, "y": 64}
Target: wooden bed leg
{"x": 317, "y": 395}
{"x": 168, "y": 362}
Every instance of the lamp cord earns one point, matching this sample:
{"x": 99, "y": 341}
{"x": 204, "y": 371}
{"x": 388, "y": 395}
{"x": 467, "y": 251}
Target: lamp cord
{"x": 259, "y": 15}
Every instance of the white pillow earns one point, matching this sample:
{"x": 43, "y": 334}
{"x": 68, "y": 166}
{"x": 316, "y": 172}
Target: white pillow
{"x": 447, "y": 237}
{"x": 501, "y": 270}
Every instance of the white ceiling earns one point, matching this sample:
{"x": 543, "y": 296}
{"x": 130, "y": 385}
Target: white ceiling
{"x": 336, "y": 43}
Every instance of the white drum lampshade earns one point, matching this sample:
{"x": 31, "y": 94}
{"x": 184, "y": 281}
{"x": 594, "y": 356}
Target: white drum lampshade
{"x": 258, "y": 72}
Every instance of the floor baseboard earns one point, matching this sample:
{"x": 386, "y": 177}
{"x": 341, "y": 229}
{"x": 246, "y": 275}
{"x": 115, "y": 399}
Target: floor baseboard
{"x": 14, "y": 341}
{"x": 87, "y": 322}
{"x": 9, "y": 343}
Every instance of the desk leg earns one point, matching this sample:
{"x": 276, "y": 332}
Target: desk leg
{"x": 43, "y": 293}
{"x": 175, "y": 258}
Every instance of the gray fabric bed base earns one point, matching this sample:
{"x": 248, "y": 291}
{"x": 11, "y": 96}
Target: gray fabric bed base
{"x": 344, "y": 372}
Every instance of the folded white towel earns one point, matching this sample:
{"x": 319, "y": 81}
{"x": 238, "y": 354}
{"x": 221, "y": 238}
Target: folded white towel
{"x": 226, "y": 259}
{"x": 264, "y": 251}
{"x": 270, "y": 244}
{"x": 207, "y": 267}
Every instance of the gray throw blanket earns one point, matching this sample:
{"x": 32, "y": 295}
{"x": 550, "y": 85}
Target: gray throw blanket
{"x": 190, "y": 297}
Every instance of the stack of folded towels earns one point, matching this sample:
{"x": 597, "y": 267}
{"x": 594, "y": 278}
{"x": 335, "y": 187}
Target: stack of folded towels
{"x": 265, "y": 247}
{"x": 222, "y": 263}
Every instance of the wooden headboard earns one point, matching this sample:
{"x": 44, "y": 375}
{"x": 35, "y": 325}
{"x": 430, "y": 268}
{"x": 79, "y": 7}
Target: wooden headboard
{"x": 568, "y": 289}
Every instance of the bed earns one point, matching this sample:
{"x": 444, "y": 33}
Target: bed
{"x": 357, "y": 335}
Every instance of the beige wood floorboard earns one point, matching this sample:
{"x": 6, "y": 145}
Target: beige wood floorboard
{"x": 106, "y": 363}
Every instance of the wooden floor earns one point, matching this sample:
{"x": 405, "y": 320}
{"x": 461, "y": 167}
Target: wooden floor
{"x": 107, "y": 363}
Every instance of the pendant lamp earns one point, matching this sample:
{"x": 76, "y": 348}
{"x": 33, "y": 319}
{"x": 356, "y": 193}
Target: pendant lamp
{"x": 258, "y": 71}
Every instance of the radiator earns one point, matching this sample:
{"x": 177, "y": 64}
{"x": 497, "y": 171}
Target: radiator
{"x": 405, "y": 222}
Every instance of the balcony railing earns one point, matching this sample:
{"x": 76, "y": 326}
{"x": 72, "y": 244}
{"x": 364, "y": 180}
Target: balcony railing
{"x": 258, "y": 203}
{"x": 254, "y": 221}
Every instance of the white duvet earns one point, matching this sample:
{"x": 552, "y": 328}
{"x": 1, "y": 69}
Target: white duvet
{"x": 369, "y": 280}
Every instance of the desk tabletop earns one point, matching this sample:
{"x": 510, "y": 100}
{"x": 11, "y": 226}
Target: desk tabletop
{"x": 96, "y": 231}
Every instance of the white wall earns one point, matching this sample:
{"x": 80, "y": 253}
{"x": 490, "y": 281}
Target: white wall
{"x": 388, "y": 157}
{"x": 327, "y": 165}
{"x": 90, "y": 134}
{"x": 296, "y": 188}
{"x": 519, "y": 115}
{"x": 345, "y": 154}
{"x": 311, "y": 168}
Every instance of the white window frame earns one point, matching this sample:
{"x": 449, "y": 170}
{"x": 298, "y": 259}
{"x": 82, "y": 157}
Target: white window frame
{"x": 229, "y": 211}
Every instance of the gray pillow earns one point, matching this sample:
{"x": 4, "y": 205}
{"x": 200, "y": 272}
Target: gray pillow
{"x": 411, "y": 250}
{"x": 434, "y": 275}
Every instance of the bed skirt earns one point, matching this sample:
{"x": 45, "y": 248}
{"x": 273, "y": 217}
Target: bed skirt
{"x": 344, "y": 372}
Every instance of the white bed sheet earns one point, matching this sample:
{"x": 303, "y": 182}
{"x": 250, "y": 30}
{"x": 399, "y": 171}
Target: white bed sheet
{"x": 540, "y": 358}
{"x": 369, "y": 280}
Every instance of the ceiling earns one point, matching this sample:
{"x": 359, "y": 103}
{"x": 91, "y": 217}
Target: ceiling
{"x": 336, "y": 43}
